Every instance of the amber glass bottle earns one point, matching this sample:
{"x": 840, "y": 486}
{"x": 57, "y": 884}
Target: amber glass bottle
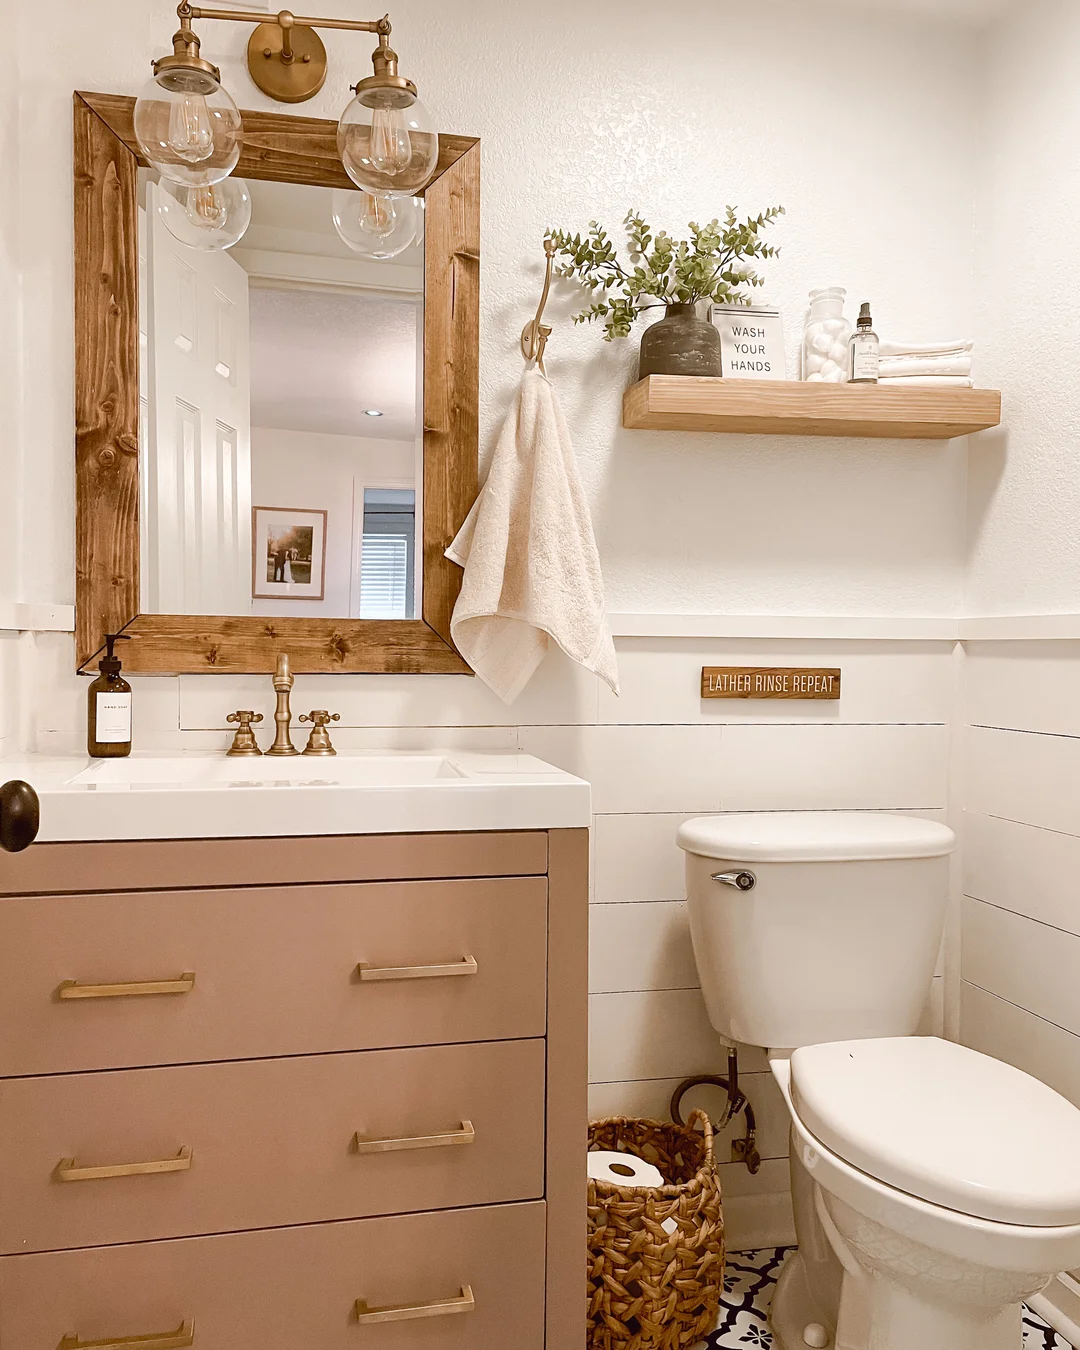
{"x": 108, "y": 722}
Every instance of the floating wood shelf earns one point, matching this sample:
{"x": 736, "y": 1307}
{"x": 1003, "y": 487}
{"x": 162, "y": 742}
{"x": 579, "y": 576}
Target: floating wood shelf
{"x": 795, "y": 408}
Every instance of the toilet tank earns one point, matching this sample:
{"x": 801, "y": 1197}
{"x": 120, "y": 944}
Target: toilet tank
{"x": 827, "y": 927}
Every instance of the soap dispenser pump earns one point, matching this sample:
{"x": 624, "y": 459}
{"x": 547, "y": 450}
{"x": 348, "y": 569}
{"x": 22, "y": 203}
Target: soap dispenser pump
{"x": 108, "y": 724}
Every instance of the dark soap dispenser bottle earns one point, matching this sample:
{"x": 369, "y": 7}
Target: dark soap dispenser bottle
{"x": 108, "y": 723}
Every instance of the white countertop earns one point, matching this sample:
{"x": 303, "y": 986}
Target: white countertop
{"x": 210, "y": 796}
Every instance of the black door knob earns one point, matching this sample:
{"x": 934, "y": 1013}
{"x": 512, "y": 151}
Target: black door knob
{"x": 20, "y": 814}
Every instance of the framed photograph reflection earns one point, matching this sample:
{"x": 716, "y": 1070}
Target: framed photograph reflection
{"x": 288, "y": 553}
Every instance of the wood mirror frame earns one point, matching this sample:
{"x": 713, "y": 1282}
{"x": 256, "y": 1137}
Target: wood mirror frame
{"x": 284, "y": 149}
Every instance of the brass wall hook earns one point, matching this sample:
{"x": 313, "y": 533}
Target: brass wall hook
{"x": 535, "y": 334}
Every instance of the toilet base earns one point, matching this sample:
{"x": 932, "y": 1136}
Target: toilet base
{"x": 795, "y": 1307}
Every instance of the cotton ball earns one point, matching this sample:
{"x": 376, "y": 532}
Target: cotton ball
{"x": 839, "y": 377}
{"x": 816, "y": 378}
{"x": 830, "y": 370}
{"x": 835, "y": 325}
{"x": 821, "y": 342}
{"x": 838, "y": 352}
{"x": 814, "y": 362}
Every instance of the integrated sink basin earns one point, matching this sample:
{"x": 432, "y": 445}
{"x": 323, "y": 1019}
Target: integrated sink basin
{"x": 369, "y": 771}
{"x": 212, "y": 796}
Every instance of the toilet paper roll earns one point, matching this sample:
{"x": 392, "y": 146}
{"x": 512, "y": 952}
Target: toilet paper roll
{"x": 623, "y": 1169}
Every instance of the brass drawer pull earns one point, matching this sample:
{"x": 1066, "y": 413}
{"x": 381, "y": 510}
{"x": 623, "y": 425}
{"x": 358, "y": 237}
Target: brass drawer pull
{"x": 68, "y": 1170}
{"x": 466, "y": 966}
{"x": 140, "y": 989}
{"x": 183, "y": 1336}
{"x": 407, "y": 1313}
{"x": 466, "y": 1135}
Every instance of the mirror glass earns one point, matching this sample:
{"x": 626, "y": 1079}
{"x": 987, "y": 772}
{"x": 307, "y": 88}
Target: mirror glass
{"x": 281, "y": 390}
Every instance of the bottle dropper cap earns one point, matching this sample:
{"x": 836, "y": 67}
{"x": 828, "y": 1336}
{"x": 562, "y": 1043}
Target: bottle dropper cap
{"x": 865, "y": 321}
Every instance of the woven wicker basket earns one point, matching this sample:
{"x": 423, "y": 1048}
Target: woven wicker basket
{"x": 649, "y": 1290}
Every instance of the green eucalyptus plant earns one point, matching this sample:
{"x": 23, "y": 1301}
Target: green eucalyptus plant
{"x": 710, "y": 265}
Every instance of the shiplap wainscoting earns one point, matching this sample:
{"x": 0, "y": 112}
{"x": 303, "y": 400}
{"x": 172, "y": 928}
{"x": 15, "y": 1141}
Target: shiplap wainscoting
{"x": 1020, "y": 996}
{"x": 655, "y": 756}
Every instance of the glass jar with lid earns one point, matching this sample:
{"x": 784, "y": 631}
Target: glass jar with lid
{"x": 827, "y": 337}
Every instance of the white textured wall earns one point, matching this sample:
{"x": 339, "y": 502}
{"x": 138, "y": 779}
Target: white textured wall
{"x": 586, "y": 111}
{"x": 1025, "y": 485}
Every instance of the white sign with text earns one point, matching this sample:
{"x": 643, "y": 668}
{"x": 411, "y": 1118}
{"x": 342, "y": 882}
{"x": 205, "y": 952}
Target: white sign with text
{"x": 751, "y": 342}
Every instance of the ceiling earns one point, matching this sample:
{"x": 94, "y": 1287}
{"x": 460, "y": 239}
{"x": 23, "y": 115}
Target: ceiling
{"x": 319, "y": 358}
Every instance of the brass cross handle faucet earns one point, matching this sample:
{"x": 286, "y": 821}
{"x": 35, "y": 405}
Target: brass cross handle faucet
{"x": 319, "y": 740}
{"x": 244, "y": 742}
{"x": 283, "y": 683}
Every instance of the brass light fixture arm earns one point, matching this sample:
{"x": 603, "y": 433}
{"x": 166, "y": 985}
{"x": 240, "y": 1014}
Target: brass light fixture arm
{"x": 285, "y": 19}
{"x": 299, "y": 69}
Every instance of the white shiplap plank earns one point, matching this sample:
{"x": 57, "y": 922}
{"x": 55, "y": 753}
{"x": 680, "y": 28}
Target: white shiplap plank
{"x": 1027, "y": 963}
{"x": 1001, "y": 1029}
{"x": 1030, "y": 778}
{"x": 660, "y": 681}
{"x": 635, "y": 858}
{"x": 1023, "y": 868}
{"x": 657, "y": 1034}
{"x": 1024, "y": 686}
{"x": 811, "y": 768}
{"x": 633, "y": 947}
{"x": 637, "y": 769}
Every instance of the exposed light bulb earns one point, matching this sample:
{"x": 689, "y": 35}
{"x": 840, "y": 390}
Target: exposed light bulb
{"x": 388, "y": 144}
{"x": 378, "y": 217}
{"x": 206, "y": 207}
{"x": 191, "y": 132}
{"x": 374, "y": 224}
{"x": 391, "y": 144}
{"x": 188, "y": 128}
{"x": 208, "y": 217}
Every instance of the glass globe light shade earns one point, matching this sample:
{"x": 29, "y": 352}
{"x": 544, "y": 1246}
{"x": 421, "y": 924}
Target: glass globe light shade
{"x": 207, "y": 218}
{"x": 188, "y": 127}
{"x": 389, "y": 143}
{"x": 376, "y": 225}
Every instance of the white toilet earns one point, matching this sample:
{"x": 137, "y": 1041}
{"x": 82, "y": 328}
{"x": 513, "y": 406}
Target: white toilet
{"x": 934, "y": 1188}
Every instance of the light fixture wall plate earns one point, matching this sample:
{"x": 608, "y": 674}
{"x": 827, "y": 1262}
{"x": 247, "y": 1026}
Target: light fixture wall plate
{"x": 287, "y": 81}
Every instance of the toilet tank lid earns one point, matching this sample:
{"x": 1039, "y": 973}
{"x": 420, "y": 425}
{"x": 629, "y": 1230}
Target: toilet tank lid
{"x": 944, "y": 1123}
{"x": 814, "y": 836}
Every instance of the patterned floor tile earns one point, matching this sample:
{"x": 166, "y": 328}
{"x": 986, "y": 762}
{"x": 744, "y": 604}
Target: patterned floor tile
{"x": 748, "y": 1287}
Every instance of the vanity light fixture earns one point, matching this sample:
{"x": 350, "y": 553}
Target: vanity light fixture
{"x": 189, "y": 128}
{"x": 376, "y": 225}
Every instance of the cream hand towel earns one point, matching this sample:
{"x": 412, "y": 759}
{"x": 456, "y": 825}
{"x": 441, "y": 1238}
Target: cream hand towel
{"x": 532, "y": 572}
{"x": 929, "y": 382}
{"x": 958, "y": 348}
{"x": 893, "y": 367}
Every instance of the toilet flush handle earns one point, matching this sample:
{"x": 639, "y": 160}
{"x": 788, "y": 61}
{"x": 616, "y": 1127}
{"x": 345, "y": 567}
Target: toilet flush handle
{"x": 742, "y": 881}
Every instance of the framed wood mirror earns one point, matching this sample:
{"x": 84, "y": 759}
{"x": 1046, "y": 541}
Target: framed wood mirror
{"x": 286, "y": 547}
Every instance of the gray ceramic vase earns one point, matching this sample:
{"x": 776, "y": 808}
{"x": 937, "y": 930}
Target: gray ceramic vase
{"x": 682, "y": 343}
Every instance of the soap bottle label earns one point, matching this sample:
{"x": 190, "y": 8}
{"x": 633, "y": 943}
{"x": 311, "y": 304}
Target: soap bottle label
{"x": 865, "y": 358}
{"x": 113, "y": 719}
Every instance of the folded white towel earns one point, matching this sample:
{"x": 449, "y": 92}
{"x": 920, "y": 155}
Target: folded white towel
{"x": 930, "y": 382}
{"x": 532, "y": 571}
{"x": 957, "y": 348}
{"x": 893, "y": 366}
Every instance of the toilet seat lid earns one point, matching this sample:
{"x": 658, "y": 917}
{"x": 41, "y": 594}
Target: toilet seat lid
{"x": 946, "y": 1124}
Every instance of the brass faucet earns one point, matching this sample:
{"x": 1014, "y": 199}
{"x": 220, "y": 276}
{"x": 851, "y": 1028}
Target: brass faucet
{"x": 283, "y": 683}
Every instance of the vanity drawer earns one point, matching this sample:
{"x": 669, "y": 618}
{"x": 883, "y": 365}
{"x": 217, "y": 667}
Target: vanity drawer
{"x": 269, "y": 1142}
{"x": 275, "y": 972}
{"x": 295, "y": 1288}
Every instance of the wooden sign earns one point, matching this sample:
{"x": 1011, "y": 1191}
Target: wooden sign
{"x": 769, "y": 682}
